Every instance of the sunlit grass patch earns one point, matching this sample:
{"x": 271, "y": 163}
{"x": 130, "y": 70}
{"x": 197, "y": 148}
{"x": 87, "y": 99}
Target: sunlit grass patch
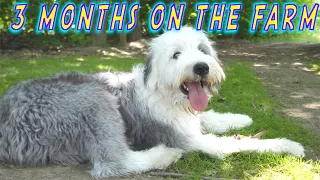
{"x": 314, "y": 66}
{"x": 290, "y": 168}
{"x": 247, "y": 166}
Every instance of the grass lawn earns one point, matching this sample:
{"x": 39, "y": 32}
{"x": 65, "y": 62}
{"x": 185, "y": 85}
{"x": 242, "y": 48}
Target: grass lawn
{"x": 242, "y": 93}
{"x": 314, "y": 66}
{"x": 297, "y": 37}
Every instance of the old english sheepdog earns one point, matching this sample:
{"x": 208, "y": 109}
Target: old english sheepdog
{"x": 128, "y": 122}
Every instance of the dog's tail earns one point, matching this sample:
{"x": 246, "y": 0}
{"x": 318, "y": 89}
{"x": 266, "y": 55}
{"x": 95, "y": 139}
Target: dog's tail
{"x": 3, "y": 153}
{"x": 2, "y": 140}
{"x": 1, "y": 147}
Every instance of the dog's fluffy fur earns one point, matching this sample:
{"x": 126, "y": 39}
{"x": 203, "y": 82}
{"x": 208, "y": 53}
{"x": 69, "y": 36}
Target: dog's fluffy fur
{"x": 129, "y": 122}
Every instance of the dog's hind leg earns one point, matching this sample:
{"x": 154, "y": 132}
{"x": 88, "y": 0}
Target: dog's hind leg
{"x": 223, "y": 146}
{"x": 110, "y": 154}
{"x": 221, "y": 122}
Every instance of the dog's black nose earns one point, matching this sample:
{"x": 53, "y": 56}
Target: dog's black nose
{"x": 201, "y": 69}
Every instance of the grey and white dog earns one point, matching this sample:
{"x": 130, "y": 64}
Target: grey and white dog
{"x": 130, "y": 122}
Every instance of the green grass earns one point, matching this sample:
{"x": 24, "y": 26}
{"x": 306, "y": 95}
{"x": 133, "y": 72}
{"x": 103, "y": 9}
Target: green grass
{"x": 289, "y": 38}
{"x": 314, "y": 66}
{"x": 242, "y": 93}
{"x": 12, "y": 72}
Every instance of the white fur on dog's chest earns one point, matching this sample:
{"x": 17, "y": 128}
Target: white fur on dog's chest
{"x": 190, "y": 124}
{"x": 183, "y": 122}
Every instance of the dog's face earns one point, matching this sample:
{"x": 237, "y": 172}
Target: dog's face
{"x": 183, "y": 65}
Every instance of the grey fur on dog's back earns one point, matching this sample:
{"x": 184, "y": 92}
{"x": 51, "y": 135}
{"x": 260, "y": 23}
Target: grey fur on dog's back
{"x": 58, "y": 119}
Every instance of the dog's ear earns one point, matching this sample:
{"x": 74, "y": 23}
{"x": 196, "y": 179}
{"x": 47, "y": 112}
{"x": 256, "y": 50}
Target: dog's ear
{"x": 147, "y": 68}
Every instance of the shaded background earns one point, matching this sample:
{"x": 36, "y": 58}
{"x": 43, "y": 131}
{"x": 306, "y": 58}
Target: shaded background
{"x": 55, "y": 40}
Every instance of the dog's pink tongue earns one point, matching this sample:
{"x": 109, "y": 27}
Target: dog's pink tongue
{"x": 197, "y": 97}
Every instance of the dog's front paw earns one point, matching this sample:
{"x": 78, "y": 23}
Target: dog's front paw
{"x": 240, "y": 121}
{"x": 167, "y": 156}
{"x": 291, "y": 147}
{"x": 220, "y": 123}
{"x": 219, "y": 153}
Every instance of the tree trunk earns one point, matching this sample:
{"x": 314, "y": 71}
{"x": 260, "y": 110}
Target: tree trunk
{"x": 136, "y": 33}
{"x": 123, "y": 39}
{"x": 122, "y": 35}
{"x": 99, "y": 38}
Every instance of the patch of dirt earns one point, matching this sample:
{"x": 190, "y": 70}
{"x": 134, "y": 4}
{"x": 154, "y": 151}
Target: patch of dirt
{"x": 134, "y": 49}
{"x": 58, "y": 172}
{"x": 282, "y": 69}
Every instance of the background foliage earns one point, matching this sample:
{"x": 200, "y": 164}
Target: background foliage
{"x": 48, "y": 41}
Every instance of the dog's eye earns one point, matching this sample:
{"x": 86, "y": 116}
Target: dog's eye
{"x": 176, "y": 55}
{"x": 200, "y": 49}
{"x": 203, "y": 49}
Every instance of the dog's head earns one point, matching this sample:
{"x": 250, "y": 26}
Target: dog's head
{"x": 183, "y": 65}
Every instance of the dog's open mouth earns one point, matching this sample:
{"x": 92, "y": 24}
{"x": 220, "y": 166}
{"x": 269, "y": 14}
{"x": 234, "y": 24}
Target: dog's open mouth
{"x": 197, "y": 96}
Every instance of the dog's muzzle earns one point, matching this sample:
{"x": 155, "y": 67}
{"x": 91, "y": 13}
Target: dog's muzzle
{"x": 197, "y": 87}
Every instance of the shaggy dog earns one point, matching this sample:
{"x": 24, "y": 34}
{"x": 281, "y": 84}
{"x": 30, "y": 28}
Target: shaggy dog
{"x": 130, "y": 122}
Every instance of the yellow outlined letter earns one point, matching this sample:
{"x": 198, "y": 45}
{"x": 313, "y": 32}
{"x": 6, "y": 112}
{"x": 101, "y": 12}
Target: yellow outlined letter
{"x": 71, "y": 8}
{"x": 257, "y": 16}
{"x": 118, "y": 18}
{"x": 233, "y": 16}
{"x": 133, "y": 16}
{"x": 201, "y": 8}
{"x": 21, "y": 8}
{"x": 273, "y": 18}
{"x": 308, "y": 20}
{"x": 215, "y": 17}
{"x": 158, "y": 8}
{"x": 174, "y": 18}
{"x": 85, "y": 17}
{"x": 103, "y": 11}
{"x": 287, "y": 20}
{"x": 47, "y": 20}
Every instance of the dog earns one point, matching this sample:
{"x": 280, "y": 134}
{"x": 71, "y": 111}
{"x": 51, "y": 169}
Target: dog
{"x": 128, "y": 123}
